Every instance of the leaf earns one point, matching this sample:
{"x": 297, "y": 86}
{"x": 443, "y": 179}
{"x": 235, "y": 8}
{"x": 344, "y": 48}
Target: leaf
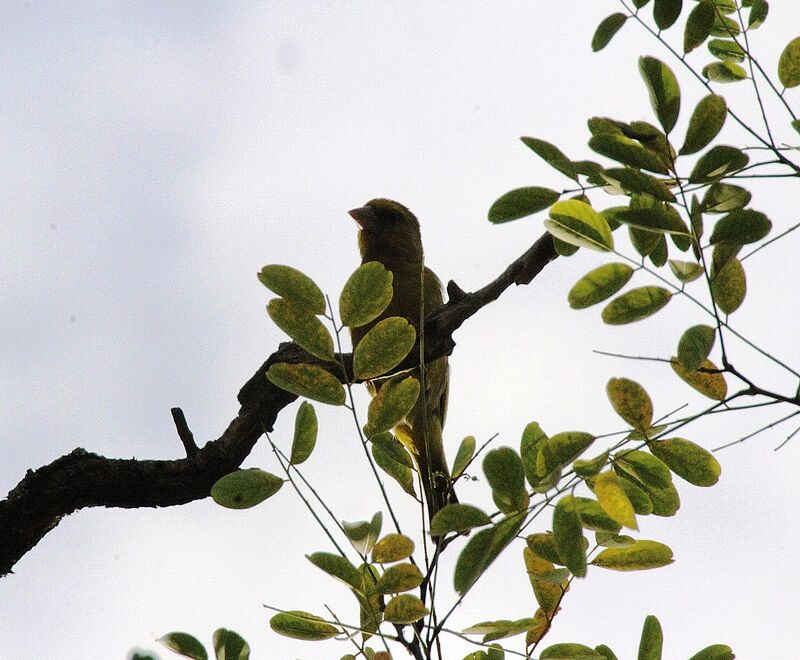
{"x": 548, "y": 594}
{"x": 695, "y": 346}
{"x": 666, "y": 501}
{"x": 729, "y": 286}
{"x": 243, "y": 489}
{"x": 293, "y": 285}
{"x": 652, "y": 640}
{"x": 685, "y": 271}
{"x": 569, "y": 651}
{"x": 543, "y": 545}
{"x": 506, "y": 477}
{"x": 611, "y": 496}
{"x": 635, "y": 181}
{"x": 466, "y": 450}
{"x": 384, "y": 347}
{"x": 666, "y": 12}
{"x": 552, "y": 155}
{"x": 338, "y": 567}
{"x": 578, "y": 223}
{"x": 530, "y": 443}
{"x": 184, "y": 644}
{"x": 660, "y": 219}
{"x": 644, "y": 468}
{"x": 642, "y": 504}
{"x": 457, "y": 518}
{"x": 718, "y": 162}
{"x": 501, "y": 629}
{"x": 307, "y": 380}
{"x": 363, "y": 534}
{"x": 605, "y": 652}
{"x": 661, "y": 83}
{"x": 305, "y": 433}
{"x": 724, "y": 72}
{"x": 640, "y": 556}
{"x": 391, "y": 404}
{"x": 392, "y": 547}
{"x": 560, "y": 449}
{"x": 758, "y": 14}
{"x": 724, "y": 26}
{"x": 398, "y": 578}
{"x": 568, "y": 535}
{"x": 726, "y": 50}
{"x": 305, "y": 329}
{"x": 715, "y": 651}
{"x": 229, "y": 645}
{"x": 706, "y": 121}
{"x": 608, "y": 27}
{"x": 741, "y": 226}
{"x": 706, "y": 379}
{"x": 688, "y": 460}
{"x": 631, "y": 402}
{"x": 627, "y": 151}
{"x": 635, "y": 305}
{"x": 302, "y": 625}
{"x": 521, "y": 202}
{"x": 594, "y": 517}
{"x": 698, "y": 25}
{"x": 789, "y": 64}
{"x": 394, "y": 460}
{"x": 482, "y": 549}
{"x": 590, "y": 467}
{"x": 366, "y": 294}
{"x": 724, "y": 197}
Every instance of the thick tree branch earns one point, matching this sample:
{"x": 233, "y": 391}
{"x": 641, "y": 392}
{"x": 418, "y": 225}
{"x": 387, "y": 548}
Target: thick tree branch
{"x": 81, "y": 479}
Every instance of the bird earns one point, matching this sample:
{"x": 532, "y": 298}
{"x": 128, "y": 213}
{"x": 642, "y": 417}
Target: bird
{"x": 389, "y": 233}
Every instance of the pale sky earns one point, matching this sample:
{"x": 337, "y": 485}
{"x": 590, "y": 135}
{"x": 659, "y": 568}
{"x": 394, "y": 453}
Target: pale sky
{"x": 157, "y": 156}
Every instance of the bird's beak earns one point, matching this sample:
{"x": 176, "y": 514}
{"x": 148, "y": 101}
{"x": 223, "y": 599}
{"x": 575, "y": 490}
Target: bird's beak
{"x": 365, "y": 217}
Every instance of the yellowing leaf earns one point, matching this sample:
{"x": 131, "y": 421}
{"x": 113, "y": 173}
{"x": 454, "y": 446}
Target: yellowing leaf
{"x": 307, "y": 380}
{"x": 302, "y": 326}
{"x": 305, "y": 433}
{"x": 577, "y": 223}
{"x": 613, "y": 499}
{"x": 394, "y": 460}
{"x": 639, "y": 556}
{"x": 631, "y": 402}
{"x": 729, "y": 286}
{"x": 789, "y": 64}
{"x": 599, "y": 284}
{"x": 363, "y": 534}
{"x": 293, "y": 285}
{"x": 243, "y": 489}
{"x": 391, "y": 404}
{"x": 383, "y": 347}
{"x": 635, "y": 305}
{"x": 594, "y": 517}
{"x": 366, "y": 294}
{"x": 392, "y": 547}
{"x": 457, "y": 518}
{"x": 302, "y": 625}
{"x": 397, "y": 578}
{"x": 543, "y": 545}
{"x": 695, "y": 345}
{"x": 688, "y": 460}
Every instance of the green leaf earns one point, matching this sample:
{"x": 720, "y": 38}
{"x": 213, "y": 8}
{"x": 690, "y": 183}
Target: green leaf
{"x": 726, "y": 50}
{"x": 705, "y": 123}
{"x": 723, "y": 252}
{"x": 466, "y": 450}
{"x": 391, "y": 404}
{"x": 715, "y": 651}
{"x": 640, "y": 556}
{"x": 724, "y": 197}
{"x": 307, "y": 380}
{"x": 243, "y": 489}
{"x": 635, "y": 305}
{"x": 652, "y": 640}
{"x": 398, "y": 578}
{"x": 590, "y": 467}
{"x": 724, "y": 72}
{"x": 594, "y": 517}
{"x": 577, "y": 223}
{"x": 724, "y": 26}
{"x": 530, "y": 443}
{"x": 305, "y": 433}
{"x": 482, "y": 549}
{"x": 293, "y": 285}
{"x": 561, "y": 449}
{"x": 642, "y": 504}
{"x": 661, "y": 83}
{"x": 729, "y": 286}
{"x": 599, "y": 284}
{"x": 552, "y": 155}
{"x": 635, "y": 181}
{"x": 363, "y": 534}
{"x": 302, "y": 326}
{"x": 718, "y": 162}
{"x": 666, "y": 12}
{"x": 229, "y": 645}
{"x": 302, "y": 625}
{"x": 645, "y": 468}
{"x": 506, "y": 477}
{"x": 627, "y": 151}
{"x": 796, "y": 125}
{"x": 501, "y": 629}
{"x": 612, "y": 498}
{"x": 394, "y": 460}
{"x": 661, "y": 219}
{"x": 457, "y": 518}
{"x": 384, "y": 347}
{"x": 608, "y": 27}
{"x": 789, "y": 64}
{"x": 184, "y": 644}
{"x": 606, "y": 652}
{"x": 568, "y": 535}
{"x": 698, "y": 25}
{"x": 631, "y": 402}
{"x": 540, "y": 571}
{"x": 706, "y": 379}
{"x": 522, "y": 202}
{"x": 688, "y": 460}
{"x": 392, "y": 547}
{"x": 366, "y": 294}
{"x": 543, "y": 545}
{"x": 685, "y": 271}
{"x": 338, "y": 567}
{"x": 695, "y": 346}
{"x": 405, "y": 608}
{"x": 569, "y": 651}
{"x": 741, "y": 226}
{"x": 758, "y": 14}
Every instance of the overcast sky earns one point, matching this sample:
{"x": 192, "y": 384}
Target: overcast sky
{"x": 157, "y": 155}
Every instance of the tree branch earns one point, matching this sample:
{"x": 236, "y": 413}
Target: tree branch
{"x": 82, "y": 479}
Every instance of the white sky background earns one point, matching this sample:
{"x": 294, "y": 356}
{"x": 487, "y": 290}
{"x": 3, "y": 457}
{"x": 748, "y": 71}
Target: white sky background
{"x": 155, "y": 157}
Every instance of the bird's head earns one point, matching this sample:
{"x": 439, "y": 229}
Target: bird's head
{"x": 389, "y": 232}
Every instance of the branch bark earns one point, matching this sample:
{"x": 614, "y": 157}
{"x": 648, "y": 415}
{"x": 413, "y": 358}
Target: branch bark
{"x": 82, "y": 479}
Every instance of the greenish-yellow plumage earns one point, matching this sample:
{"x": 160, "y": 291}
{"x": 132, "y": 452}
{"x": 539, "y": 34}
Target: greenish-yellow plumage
{"x": 389, "y": 233}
